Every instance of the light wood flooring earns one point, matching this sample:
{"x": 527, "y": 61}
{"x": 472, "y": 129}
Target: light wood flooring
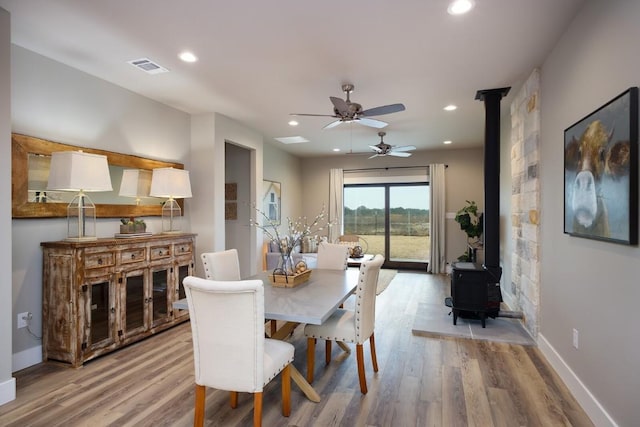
{"x": 421, "y": 382}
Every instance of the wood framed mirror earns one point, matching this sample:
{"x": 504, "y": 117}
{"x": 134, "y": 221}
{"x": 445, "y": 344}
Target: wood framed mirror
{"x": 30, "y": 158}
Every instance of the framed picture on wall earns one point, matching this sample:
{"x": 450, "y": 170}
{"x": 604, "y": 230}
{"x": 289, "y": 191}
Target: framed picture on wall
{"x": 601, "y": 172}
{"x": 271, "y": 199}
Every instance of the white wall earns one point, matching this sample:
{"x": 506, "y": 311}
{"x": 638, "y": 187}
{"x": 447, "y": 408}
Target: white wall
{"x": 464, "y": 181}
{"x": 55, "y": 102}
{"x": 586, "y": 284}
{"x": 7, "y": 383}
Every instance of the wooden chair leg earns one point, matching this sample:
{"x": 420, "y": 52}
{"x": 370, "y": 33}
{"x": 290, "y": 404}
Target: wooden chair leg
{"x": 374, "y": 358}
{"x": 311, "y": 352}
{"x": 234, "y": 399}
{"x": 361, "y": 377}
{"x": 198, "y": 416}
{"x": 327, "y": 352}
{"x": 257, "y": 409}
{"x": 274, "y": 327}
{"x": 286, "y": 390}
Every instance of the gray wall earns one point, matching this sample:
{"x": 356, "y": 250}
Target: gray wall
{"x": 464, "y": 181}
{"x": 7, "y": 383}
{"x": 55, "y": 102}
{"x": 238, "y": 231}
{"x": 585, "y": 284}
{"x": 284, "y": 168}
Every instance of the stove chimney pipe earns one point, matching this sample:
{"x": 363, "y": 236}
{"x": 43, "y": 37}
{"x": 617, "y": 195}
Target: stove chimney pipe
{"x": 491, "y": 98}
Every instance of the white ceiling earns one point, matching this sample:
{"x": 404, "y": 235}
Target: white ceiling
{"x": 261, "y": 60}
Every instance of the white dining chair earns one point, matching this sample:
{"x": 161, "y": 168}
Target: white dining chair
{"x": 230, "y": 351}
{"x": 350, "y": 326}
{"x": 332, "y": 256}
{"x": 222, "y": 265}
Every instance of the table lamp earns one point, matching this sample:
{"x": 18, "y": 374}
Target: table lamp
{"x": 81, "y": 172}
{"x": 174, "y": 184}
{"x": 135, "y": 183}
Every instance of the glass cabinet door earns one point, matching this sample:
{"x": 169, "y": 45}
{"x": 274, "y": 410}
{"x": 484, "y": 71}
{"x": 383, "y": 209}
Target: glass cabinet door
{"x": 99, "y": 314}
{"x": 183, "y": 270}
{"x": 160, "y": 296}
{"x": 134, "y": 302}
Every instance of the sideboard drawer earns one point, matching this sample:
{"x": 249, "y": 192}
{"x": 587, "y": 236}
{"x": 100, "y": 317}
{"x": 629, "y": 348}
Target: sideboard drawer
{"x": 183, "y": 248}
{"x": 160, "y": 252}
{"x": 99, "y": 260}
{"x": 132, "y": 255}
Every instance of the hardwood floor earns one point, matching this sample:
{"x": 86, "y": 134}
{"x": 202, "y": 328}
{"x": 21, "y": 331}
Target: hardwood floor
{"x": 421, "y": 382}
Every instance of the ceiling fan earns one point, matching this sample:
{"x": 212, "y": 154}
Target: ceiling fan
{"x": 383, "y": 149}
{"x": 346, "y": 111}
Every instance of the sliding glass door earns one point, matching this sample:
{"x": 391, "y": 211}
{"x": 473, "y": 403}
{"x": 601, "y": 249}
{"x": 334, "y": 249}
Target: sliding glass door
{"x": 393, "y": 219}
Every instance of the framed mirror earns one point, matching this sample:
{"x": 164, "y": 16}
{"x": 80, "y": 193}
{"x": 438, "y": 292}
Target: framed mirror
{"x": 30, "y": 159}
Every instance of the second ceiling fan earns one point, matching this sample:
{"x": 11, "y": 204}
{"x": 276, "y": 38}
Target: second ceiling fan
{"x": 384, "y": 149}
{"x": 346, "y": 111}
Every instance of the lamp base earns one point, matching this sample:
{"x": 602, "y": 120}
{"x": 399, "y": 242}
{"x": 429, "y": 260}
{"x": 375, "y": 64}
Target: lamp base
{"x": 81, "y": 239}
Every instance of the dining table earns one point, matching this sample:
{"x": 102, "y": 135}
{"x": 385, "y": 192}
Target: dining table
{"x": 310, "y": 302}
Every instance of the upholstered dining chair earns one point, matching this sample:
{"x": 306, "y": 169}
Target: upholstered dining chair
{"x": 230, "y": 351}
{"x": 222, "y": 265}
{"x": 332, "y": 256}
{"x": 350, "y": 326}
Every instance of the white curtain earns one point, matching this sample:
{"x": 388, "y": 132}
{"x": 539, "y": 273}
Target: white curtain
{"x": 437, "y": 260}
{"x": 336, "y": 185}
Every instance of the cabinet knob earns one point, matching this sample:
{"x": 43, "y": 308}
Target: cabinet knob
{"x": 133, "y": 256}
{"x": 99, "y": 261}
{"x": 113, "y": 309}
{"x": 160, "y": 253}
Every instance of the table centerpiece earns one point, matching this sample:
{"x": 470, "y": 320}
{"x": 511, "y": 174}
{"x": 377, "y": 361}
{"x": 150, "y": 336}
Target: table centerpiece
{"x": 297, "y": 230}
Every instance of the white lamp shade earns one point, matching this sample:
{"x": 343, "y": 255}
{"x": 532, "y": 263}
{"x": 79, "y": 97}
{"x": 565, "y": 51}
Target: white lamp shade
{"x": 135, "y": 183}
{"x": 171, "y": 183}
{"x": 79, "y": 171}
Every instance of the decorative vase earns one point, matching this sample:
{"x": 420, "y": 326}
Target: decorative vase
{"x": 285, "y": 265}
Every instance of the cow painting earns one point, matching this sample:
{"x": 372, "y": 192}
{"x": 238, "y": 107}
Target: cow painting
{"x": 600, "y": 173}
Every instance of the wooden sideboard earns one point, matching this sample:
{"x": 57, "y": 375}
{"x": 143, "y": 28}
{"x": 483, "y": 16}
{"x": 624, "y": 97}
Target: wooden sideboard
{"x": 101, "y": 295}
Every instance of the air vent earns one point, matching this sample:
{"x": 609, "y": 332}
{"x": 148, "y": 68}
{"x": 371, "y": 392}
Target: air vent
{"x": 148, "y": 66}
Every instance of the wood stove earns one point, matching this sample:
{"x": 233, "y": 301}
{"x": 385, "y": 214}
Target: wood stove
{"x": 475, "y": 292}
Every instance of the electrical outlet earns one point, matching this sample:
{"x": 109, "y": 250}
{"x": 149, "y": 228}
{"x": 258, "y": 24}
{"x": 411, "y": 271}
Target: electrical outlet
{"x": 23, "y": 319}
{"x": 575, "y": 338}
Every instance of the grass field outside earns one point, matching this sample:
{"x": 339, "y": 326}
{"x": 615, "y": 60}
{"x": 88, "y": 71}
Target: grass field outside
{"x": 405, "y": 248}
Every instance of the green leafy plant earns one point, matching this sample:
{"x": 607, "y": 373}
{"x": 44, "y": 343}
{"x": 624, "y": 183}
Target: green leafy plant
{"x": 471, "y": 222}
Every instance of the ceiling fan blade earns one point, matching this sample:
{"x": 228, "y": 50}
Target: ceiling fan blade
{"x": 340, "y": 105}
{"x": 385, "y": 109}
{"x": 312, "y": 115}
{"x": 375, "y": 155}
{"x": 332, "y": 124}
{"x": 376, "y": 148}
{"x": 404, "y": 148}
{"x": 378, "y": 124}
{"x": 398, "y": 154}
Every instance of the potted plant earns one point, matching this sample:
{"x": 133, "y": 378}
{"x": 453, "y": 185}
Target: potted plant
{"x": 132, "y": 225}
{"x": 471, "y": 222}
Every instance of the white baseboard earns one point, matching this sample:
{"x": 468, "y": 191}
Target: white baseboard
{"x": 25, "y": 358}
{"x": 7, "y": 391}
{"x": 591, "y": 406}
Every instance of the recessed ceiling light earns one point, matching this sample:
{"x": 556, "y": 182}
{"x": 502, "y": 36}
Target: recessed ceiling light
{"x": 188, "y": 57}
{"x": 460, "y": 7}
{"x": 447, "y": 142}
{"x": 450, "y": 107}
{"x": 293, "y": 123}
{"x": 292, "y": 139}
{"x": 336, "y": 149}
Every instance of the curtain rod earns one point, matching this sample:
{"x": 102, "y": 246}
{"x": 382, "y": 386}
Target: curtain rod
{"x": 387, "y": 168}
